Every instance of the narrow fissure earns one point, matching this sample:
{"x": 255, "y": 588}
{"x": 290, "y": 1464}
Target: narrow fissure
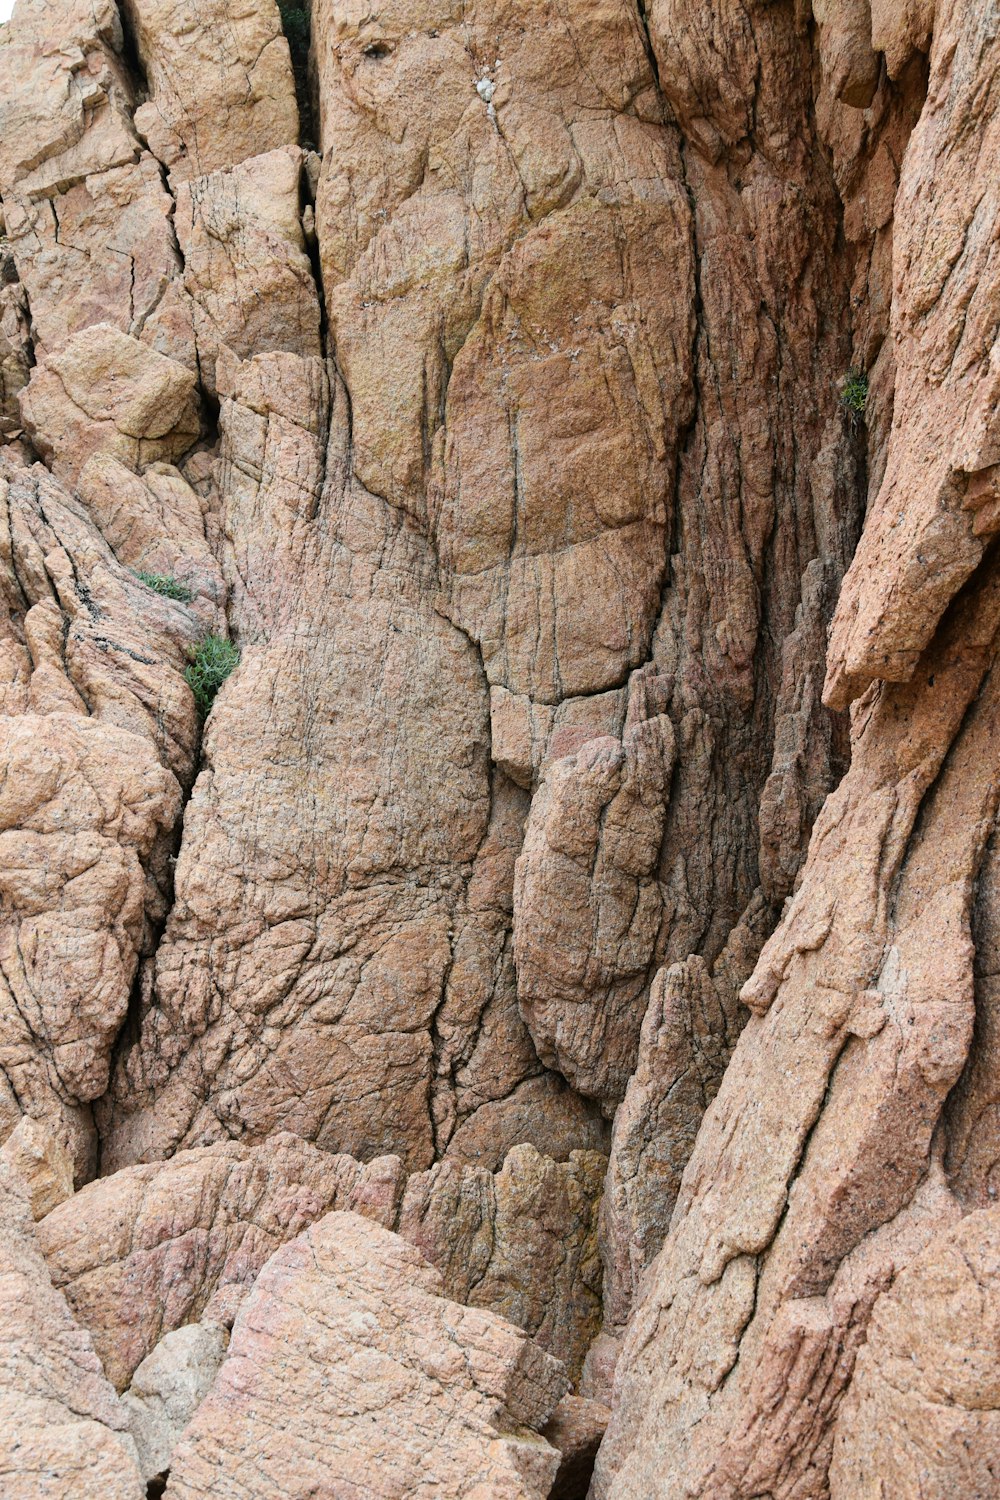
{"x": 296, "y": 24}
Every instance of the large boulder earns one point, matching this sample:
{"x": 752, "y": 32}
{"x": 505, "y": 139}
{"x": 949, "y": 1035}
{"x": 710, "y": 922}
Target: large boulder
{"x": 346, "y": 1363}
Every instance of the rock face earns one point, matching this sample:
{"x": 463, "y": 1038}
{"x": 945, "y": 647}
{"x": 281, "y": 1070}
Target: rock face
{"x": 358, "y": 1372}
{"x": 923, "y": 1412}
{"x": 63, "y": 1431}
{"x": 586, "y": 874}
{"x": 167, "y": 1389}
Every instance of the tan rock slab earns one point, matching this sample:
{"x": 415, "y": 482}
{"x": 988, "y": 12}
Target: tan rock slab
{"x": 349, "y": 1372}
{"x": 43, "y": 1164}
{"x": 63, "y": 1433}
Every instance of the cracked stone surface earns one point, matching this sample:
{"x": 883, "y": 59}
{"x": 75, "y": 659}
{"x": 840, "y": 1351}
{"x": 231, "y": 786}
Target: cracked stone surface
{"x": 587, "y": 874}
{"x": 385, "y": 1378}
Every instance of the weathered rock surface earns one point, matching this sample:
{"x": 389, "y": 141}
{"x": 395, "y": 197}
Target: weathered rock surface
{"x": 576, "y": 1428}
{"x": 348, "y": 1368}
{"x": 99, "y": 735}
{"x": 219, "y": 78}
{"x": 106, "y": 393}
{"x": 826, "y": 1174}
{"x": 63, "y": 1432}
{"x": 167, "y": 1389}
{"x": 922, "y": 1416}
{"x": 937, "y": 507}
{"x": 43, "y": 1164}
{"x": 239, "y": 231}
{"x": 522, "y": 1242}
{"x": 144, "y": 1252}
{"x": 518, "y": 439}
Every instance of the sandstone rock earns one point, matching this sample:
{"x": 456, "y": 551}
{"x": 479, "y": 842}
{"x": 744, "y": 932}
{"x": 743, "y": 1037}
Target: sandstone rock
{"x": 105, "y": 393}
{"x": 220, "y": 82}
{"x": 167, "y": 1389}
{"x": 348, "y": 1353}
{"x": 522, "y": 1243}
{"x": 62, "y": 1430}
{"x": 141, "y": 1253}
{"x": 923, "y": 1412}
{"x": 42, "y": 1163}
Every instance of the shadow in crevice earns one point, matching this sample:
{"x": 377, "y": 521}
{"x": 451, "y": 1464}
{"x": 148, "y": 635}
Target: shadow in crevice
{"x": 295, "y": 22}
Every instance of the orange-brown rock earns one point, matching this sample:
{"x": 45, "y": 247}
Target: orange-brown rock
{"x": 42, "y": 1162}
{"x": 219, "y": 82}
{"x": 99, "y": 736}
{"x": 145, "y": 1251}
{"x": 522, "y": 1242}
{"x": 939, "y": 502}
{"x": 348, "y": 1368}
{"x": 63, "y": 1432}
{"x": 517, "y": 438}
{"x": 830, "y": 1160}
{"x": 239, "y": 231}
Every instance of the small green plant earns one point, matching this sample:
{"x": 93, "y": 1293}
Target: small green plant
{"x": 211, "y": 663}
{"x": 854, "y": 392}
{"x": 165, "y": 584}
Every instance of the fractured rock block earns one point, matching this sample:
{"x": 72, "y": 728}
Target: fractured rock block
{"x": 104, "y": 392}
{"x": 143, "y": 1251}
{"x": 63, "y": 1433}
{"x": 348, "y": 1369}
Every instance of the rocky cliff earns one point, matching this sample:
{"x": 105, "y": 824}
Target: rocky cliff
{"x": 499, "y": 903}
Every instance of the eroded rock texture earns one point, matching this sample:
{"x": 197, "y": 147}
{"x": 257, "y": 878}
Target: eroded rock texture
{"x": 363, "y": 1377}
{"x": 63, "y": 1431}
{"x": 517, "y": 438}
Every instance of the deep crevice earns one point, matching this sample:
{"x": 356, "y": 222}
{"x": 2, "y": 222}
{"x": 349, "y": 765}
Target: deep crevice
{"x": 296, "y": 23}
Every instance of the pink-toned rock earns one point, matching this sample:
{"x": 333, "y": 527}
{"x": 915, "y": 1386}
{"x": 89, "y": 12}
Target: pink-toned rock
{"x": 587, "y": 906}
{"x": 87, "y": 215}
{"x": 522, "y": 1242}
{"x": 939, "y": 502}
{"x": 576, "y": 1428}
{"x": 105, "y": 393}
{"x": 63, "y": 1433}
{"x": 391, "y": 863}
{"x": 922, "y": 1416}
{"x": 143, "y": 1252}
{"x": 688, "y": 1034}
{"x": 42, "y": 1162}
{"x": 347, "y": 1363}
{"x": 245, "y": 266}
{"x": 220, "y": 82}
